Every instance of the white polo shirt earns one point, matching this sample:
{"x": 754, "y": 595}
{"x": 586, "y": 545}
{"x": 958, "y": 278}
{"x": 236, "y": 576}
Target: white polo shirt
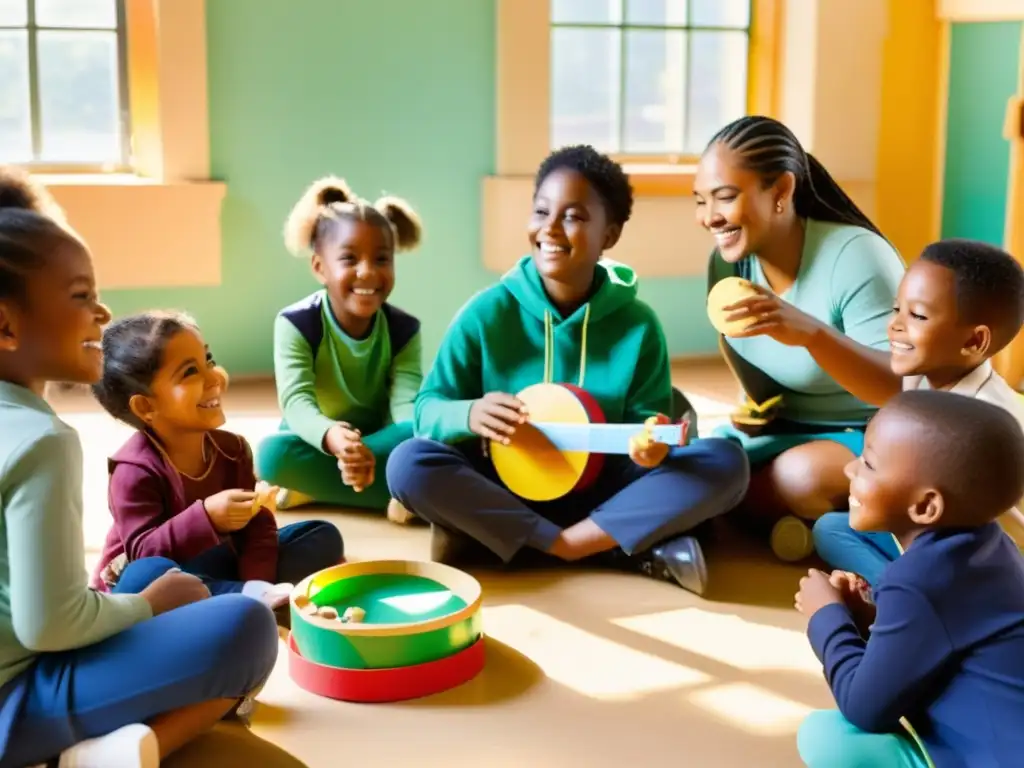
{"x": 985, "y": 384}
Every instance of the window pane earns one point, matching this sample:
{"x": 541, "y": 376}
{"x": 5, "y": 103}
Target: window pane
{"x": 585, "y": 66}
{"x": 583, "y": 11}
{"x": 78, "y": 90}
{"x": 76, "y": 13}
{"x": 15, "y": 120}
{"x": 13, "y": 13}
{"x": 720, "y": 13}
{"x": 718, "y": 84}
{"x": 655, "y": 91}
{"x": 657, "y": 12}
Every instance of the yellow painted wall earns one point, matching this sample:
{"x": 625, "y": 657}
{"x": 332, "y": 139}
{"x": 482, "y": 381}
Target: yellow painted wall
{"x": 907, "y": 172}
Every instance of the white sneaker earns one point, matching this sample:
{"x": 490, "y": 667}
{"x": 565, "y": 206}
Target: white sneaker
{"x": 134, "y": 746}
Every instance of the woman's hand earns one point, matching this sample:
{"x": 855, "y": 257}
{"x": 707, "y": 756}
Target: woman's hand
{"x": 775, "y": 318}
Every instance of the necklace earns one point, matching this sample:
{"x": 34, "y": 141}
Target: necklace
{"x": 167, "y": 458}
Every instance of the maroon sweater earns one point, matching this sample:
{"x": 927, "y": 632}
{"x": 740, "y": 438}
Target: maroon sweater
{"x": 159, "y": 512}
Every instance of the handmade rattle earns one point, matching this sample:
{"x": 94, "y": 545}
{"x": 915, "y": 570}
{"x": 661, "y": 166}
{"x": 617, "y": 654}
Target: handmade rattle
{"x": 562, "y": 447}
{"x": 266, "y": 498}
{"x": 727, "y": 292}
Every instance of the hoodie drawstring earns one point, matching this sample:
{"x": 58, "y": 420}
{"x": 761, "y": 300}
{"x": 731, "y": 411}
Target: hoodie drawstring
{"x": 549, "y": 348}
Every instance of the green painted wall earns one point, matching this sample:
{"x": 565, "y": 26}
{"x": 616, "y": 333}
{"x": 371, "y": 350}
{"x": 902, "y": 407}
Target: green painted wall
{"x": 394, "y": 95}
{"x": 984, "y": 65}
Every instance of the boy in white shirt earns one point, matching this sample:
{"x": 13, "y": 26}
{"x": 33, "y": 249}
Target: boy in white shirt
{"x": 958, "y": 305}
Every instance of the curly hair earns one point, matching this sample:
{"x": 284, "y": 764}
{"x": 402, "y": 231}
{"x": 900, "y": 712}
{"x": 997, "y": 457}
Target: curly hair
{"x": 312, "y": 220}
{"x": 989, "y": 285}
{"x": 31, "y": 223}
{"x": 606, "y": 176}
{"x": 133, "y": 351}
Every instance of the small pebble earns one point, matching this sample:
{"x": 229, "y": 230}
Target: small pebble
{"x": 353, "y": 615}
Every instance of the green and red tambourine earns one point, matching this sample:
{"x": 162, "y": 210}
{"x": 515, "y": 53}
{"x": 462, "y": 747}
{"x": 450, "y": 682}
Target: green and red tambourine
{"x": 385, "y": 630}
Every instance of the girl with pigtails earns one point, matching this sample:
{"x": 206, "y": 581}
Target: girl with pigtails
{"x": 347, "y": 363}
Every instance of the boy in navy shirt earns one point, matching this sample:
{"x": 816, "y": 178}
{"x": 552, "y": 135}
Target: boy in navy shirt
{"x": 935, "y": 662}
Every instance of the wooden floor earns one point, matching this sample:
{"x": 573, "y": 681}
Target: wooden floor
{"x": 584, "y": 668}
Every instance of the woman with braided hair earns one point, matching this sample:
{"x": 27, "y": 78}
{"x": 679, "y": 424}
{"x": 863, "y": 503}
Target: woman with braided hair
{"x": 824, "y": 279}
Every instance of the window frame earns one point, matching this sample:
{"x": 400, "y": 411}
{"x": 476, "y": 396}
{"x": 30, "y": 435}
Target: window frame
{"x": 648, "y": 159}
{"x": 124, "y": 163}
{"x": 522, "y": 109}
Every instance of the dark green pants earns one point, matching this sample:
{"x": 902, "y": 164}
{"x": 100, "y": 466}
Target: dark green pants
{"x": 286, "y": 460}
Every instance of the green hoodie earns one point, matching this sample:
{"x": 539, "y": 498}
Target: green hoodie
{"x": 510, "y": 336}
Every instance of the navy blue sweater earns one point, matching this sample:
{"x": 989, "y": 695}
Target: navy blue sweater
{"x": 946, "y": 650}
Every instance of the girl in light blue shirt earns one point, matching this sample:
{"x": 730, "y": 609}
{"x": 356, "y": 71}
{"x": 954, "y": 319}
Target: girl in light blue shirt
{"x": 98, "y": 680}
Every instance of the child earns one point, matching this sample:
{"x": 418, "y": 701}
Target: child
{"x": 181, "y": 489}
{"x": 958, "y": 306}
{"x": 81, "y": 670}
{"x": 563, "y": 314}
{"x": 347, "y": 363}
{"x": 942, "y": 643}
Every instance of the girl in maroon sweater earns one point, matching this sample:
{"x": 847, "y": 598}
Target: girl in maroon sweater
{"x": 182, "y": 491}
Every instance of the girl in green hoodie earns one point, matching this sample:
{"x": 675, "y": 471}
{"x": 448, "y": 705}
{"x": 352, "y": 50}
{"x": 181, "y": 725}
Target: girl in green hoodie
{"x": 563, "y": 314}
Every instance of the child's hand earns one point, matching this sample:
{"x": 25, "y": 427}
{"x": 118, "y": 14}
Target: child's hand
{"x": 496, "y": 415}
{"x": 643, "y": 450}
{"x": 358, "y": 470}
{"x": 342, "y": 439}
{"x": 856, "y": 594}
{"x": 355, "y": 461}
{"x": 173, "y": 590}
{"x": 230, "y": 510}
{"x": 816, "y": 591}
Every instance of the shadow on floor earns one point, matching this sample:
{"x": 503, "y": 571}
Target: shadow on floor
{"x": 506, "y": 675}
{"x": 231, "y": 746}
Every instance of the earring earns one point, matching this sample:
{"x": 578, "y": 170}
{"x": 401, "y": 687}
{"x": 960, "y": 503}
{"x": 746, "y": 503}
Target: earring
{"x": 778, "y": 207}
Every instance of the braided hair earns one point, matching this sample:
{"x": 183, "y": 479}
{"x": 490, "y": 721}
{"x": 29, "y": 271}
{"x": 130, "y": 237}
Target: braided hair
{"x": 769, "y": 149}
{"x": 31, "y": 223}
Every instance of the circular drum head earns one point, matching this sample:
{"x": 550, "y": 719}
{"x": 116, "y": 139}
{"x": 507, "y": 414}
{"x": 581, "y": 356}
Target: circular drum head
{"x": 530, "y": 466}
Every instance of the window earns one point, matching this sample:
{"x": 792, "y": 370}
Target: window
{"x": 643, "y": 78}
{"x": 63, "y": 89}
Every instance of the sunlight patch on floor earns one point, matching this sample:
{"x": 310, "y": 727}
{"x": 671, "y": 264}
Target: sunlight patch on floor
{"x": 728, "y": 639}
{"x": 751, "y": 708}
{"x": 594, "y": 666}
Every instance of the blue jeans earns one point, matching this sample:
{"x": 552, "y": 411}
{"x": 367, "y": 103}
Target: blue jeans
{"x": 845, "y": 549}
{"x": 637, "y": 507}
{"x": 221, "y": 648}
{"x": 304, "y": 548}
